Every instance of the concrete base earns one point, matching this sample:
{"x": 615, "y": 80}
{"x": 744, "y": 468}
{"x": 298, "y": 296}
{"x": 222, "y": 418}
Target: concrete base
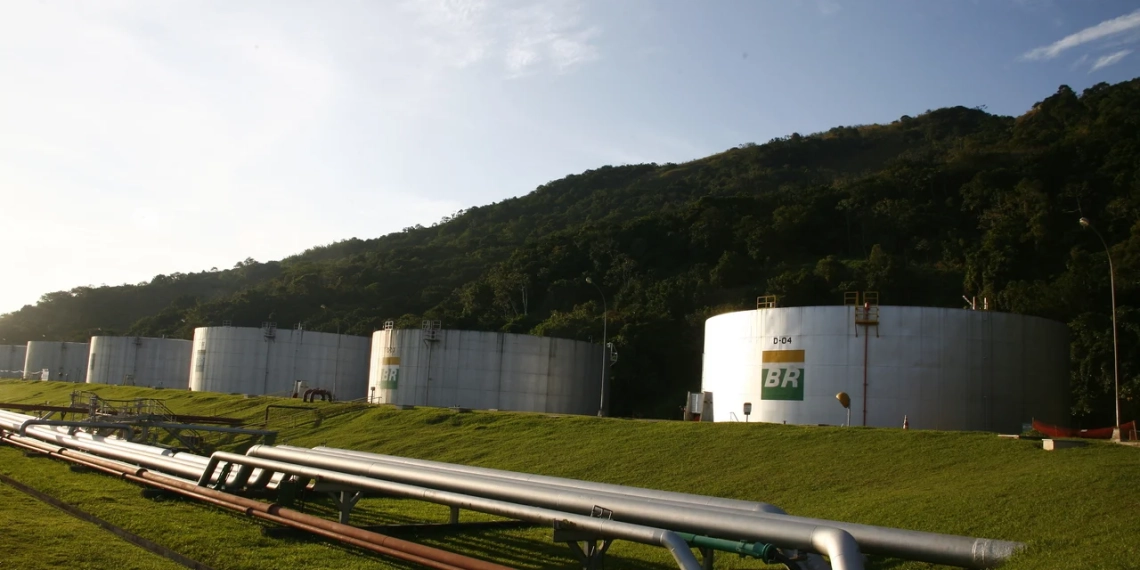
{"x": 1056, "y": 444}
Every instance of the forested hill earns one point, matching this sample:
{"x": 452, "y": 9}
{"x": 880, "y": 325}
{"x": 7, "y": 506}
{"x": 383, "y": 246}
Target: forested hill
{"x": 924, "y": 210}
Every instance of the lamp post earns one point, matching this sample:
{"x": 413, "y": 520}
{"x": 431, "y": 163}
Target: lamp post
{"x": 1115, "y": 359}
{"x": 605, "y": 312}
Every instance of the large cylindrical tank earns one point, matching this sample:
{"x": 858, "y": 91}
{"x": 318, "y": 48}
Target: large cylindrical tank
{"x": 485, "y": 370}
{"x": 138, "y": 361}
{"x": 269, "y": 361}
{"x": 63, "y": 361}
{"x": 12, "y": 358}
{"x": 948, "y": 369}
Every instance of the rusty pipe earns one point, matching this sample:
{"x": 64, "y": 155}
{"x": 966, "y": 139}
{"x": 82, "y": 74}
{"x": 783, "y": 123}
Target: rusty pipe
{"x": 375, "y": 542}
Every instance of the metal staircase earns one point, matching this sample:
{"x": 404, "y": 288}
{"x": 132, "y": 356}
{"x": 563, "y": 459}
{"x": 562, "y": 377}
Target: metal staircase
{"x": 142, "y": 414}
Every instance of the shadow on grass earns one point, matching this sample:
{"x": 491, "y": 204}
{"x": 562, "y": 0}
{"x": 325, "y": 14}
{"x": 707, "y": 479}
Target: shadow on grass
{"x": 520, "y": 548}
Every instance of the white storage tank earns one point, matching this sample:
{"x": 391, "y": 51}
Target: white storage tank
{"x": 62, "y": 361}
{"x": 947, "y": 369}
{"x": 138, "y": 361}
{"x": 12, "y": 358}
{"x": 270, "y": 361}
{"x": 485, "y": 370}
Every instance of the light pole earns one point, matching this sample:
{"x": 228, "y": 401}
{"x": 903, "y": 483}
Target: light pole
{"x": 605, "y": 311}
{"x": 1115, "y": 359}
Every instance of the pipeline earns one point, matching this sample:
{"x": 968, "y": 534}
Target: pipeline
{"x": 660, "y": 497}
{"x": 912, "y": 545}
{"x": 381, "y": 544}
{"x": 836, "y": 544}
{"x": 764, "y": 552}
{"x": 520, "y": 511}
{"x": 642, "y": 509}
{"x": 185, "y": 465}
{"x": 671, "y": 496}
{"x": 153, "y": 458}
{"x": 71, "y": 423}
{"x": 935, "y": 548}
{"x": 661, "y": 537}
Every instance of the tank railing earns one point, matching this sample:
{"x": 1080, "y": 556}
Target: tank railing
{"x": 867, "y": 315}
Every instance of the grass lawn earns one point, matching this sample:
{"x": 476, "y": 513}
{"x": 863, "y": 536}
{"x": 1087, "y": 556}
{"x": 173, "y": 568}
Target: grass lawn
{"x": 71, "y": 543}
{"x": 1073, "y": 508}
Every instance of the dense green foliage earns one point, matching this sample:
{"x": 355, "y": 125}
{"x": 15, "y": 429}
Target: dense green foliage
{"x": 1067, "y": 506}
{"x": 924, "y": 210}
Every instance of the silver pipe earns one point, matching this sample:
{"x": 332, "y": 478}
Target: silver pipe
{"x": 185, "y": 457}
{"x": 839, "y": 546}
{"x": 685, "y": 498}
{"x": 604, "y": 527}
{"x": 104, "y": 447}
{"x": 722, "y": 524}
{"x": 165, "y": 465}
{"x": 158, "y": 458}
{"x": 912, "y": 545}
{"x": 600, "y": 493}
{"x": 101, "y": 445}
{"x": 208, "y": 472}
{"x": 38, "y": 444}
{"x": 23, "y": 430}
{"x": 178, "y": 470}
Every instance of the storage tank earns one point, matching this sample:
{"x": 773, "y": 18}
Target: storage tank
{"x": 269, "y": 361}
{"x": 12, "y": 358}
{"x": 63, "y": 361}
{"x": 138, "y": 361}
{"x": 484, "y": 370}
{"x": 947, "y": 369}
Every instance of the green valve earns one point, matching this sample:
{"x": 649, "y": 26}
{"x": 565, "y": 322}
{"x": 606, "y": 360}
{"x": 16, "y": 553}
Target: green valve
{"x": 758, "y": 550}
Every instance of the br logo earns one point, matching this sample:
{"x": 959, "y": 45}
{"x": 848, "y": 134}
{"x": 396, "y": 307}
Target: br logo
{"x": 390, "y": 373}
{"x": 782, "y": 375}
{"x": 390, "y": 378}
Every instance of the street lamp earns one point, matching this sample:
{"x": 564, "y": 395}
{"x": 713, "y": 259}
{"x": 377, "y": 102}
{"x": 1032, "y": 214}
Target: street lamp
{"x": 1085, "y": 223}
{"x": 605, "y": 311}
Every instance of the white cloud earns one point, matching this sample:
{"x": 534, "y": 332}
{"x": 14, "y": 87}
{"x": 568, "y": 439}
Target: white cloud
{"x": 521, "y": 37}
{"x": 1080, "y": 61}
{"x": 151, "y": 137}
{"x": 1100, "y": 31}
{"x": 1110, "y": 59}
{"x": 453, "y": 31}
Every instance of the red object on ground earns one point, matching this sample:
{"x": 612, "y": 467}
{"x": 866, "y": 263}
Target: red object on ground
{"x": 1096, "y": 433}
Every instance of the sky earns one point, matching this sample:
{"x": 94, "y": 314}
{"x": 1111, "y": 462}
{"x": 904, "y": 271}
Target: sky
{"x": 140, "y": 138}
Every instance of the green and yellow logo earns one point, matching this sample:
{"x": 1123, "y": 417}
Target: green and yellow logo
{"x": 390, "y": 373}
{"x": 782, "y": 375}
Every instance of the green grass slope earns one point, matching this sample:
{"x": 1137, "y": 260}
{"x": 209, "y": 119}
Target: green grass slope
{"x": 72, "y": 543}
{"x": 1073, "y": 507}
